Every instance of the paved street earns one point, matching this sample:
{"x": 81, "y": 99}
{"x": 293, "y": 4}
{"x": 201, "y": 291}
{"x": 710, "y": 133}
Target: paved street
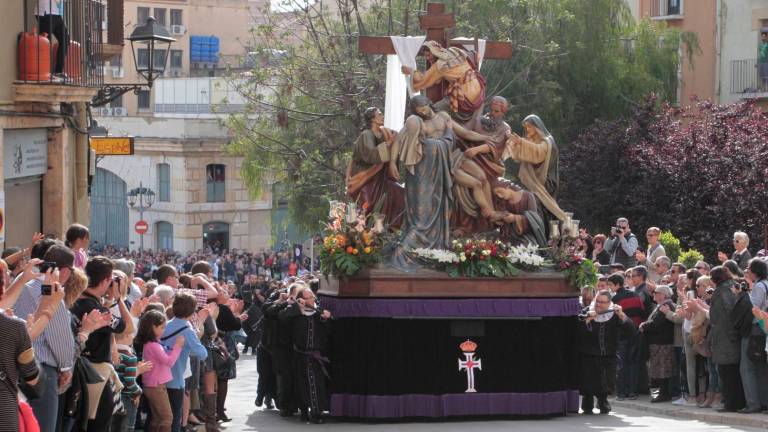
{"x": 248, "y": 418}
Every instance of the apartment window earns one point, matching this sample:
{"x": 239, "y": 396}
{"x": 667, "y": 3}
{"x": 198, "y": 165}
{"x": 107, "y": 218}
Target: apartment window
{"x": 176, "y": 58}
{"x": 142, "y": 13}
{"x": 117, "y": 60}
{"x": 164, "y": 182}
{"x": 664, "y": 8}
{"x": 143, "y": 99}
{"x": 214, "y": 174}
{"x": 176, "y": 17}
{"x": 160, "y": 15}
{"x": 674, "y": 7}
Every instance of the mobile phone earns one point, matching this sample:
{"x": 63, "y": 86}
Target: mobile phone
{"x": 691, "y": 295}
{"x": 47, "y": 265}
{"x": 45, "y": 290}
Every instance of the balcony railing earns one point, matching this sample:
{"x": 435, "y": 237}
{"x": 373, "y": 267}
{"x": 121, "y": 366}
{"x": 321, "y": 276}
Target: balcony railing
{"x": 666, "y": 8}
{"x": 62, "y": 42}
{"x": 745, "y": 77}
{"x": 197, "y": 96}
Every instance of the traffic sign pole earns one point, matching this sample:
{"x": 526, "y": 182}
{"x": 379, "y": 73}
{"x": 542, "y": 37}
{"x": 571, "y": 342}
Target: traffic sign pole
{"x": 141, "y": 228}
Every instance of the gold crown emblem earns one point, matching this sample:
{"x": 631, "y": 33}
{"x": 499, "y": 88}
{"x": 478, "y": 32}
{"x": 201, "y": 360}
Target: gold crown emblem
{"x": 468, "y": 346}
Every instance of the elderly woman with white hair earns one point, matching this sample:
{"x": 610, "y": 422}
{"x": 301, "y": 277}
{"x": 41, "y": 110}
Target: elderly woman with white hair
{"x": 740, "y": 252}
{"x": 658, "y": 337}
{"x": 165, "y": 294}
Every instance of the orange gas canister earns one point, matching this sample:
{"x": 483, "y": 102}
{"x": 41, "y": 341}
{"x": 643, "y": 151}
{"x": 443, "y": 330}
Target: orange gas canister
{"x": 72, "y": 62}
{"x": 34, "y": 60}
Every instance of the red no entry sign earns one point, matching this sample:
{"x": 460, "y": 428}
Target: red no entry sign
{"x": 141, "y": 227}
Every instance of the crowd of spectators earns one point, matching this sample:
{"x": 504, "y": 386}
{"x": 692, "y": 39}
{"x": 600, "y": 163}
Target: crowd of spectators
{"x": 228, "y": 265}
{"x": 689, "y": 336}
{"x": 117, "y": 340}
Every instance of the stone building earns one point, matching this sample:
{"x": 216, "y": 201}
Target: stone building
{"x": 200, "y": 198}
{"x": 44, "y": 104}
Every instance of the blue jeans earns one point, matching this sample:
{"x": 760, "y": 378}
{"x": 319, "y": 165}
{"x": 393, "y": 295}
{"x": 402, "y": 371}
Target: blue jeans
{"x": 176, "y": 398}
{"x": 754, "y": 379}
{"x": 627, "y": 367}
{"x": 127, "y": 422}
{"x": 714, "y": 379}
{"x": 46, "y": 406}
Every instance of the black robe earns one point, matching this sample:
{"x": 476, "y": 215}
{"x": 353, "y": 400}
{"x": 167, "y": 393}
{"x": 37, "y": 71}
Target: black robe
{"x": 597, "y": 349}
{"x": 309, "y": 334}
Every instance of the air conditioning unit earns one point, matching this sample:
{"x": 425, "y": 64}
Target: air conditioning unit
{"x": 104, "y": 111}
{"x": 119, "y": 111}
{"x": 118, "y": 72}
{"x": 178, "y": 29}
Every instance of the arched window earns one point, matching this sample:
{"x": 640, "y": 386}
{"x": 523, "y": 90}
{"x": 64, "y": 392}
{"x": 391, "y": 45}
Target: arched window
{"x": 164, "y": 235}
{"x": 215, "y": 176}
{"x": 164, "y": 182}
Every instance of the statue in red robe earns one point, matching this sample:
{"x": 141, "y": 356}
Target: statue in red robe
{"x": 372, "y": 174}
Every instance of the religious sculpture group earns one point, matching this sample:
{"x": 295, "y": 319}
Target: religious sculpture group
{"x": 452, "y": 157}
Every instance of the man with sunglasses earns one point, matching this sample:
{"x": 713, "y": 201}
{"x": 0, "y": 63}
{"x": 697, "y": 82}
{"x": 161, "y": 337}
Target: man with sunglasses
{"x": 740, "y": 252}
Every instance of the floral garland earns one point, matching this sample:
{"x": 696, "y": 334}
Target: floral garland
{"x": 483, "y": 258}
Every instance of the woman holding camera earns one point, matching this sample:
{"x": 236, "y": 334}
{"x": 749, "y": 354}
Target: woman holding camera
{"x": 598, "y": 336}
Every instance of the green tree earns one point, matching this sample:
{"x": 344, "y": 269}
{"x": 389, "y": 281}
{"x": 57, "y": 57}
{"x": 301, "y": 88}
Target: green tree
{"x": 575, "y": 61}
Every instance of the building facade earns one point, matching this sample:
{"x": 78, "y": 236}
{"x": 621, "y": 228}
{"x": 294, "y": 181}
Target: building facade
{"x": 740, "y": 26}
{"x": 44, "y": 101}
{"x": 200, "y": 199}
{"x": 699, "y": 78}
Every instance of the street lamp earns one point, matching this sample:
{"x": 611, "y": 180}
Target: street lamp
{"x": 150, "y": 46}
{"x": 144, "y": 197}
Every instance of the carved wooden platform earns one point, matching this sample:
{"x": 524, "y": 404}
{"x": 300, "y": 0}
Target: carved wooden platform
{"x": 431, "y": 283}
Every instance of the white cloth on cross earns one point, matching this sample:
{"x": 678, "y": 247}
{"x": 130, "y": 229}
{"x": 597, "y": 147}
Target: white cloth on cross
{"x": 469, "y": 45}
{"x": 398, "y": 84}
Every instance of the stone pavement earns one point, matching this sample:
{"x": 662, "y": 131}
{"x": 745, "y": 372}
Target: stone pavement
{"x": 707, "y": 415}
{"x": 628, "y": 416}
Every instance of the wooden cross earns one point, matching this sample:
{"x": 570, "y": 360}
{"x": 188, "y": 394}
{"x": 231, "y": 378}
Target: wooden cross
{"x": 436, "y": 24}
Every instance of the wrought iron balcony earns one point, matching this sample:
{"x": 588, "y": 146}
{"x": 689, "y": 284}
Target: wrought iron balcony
{"x": 63, "y": 41}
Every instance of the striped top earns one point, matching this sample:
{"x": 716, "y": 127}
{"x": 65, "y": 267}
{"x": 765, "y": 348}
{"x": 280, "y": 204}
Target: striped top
{"x": 128, "y": 370}
{"x": 17, "y": 360}
{"x": 56, "y": 346}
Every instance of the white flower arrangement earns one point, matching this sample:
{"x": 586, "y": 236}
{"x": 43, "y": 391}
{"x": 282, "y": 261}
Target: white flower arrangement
{"x": 527, "y": 255}
{"x": 439, "y": 255}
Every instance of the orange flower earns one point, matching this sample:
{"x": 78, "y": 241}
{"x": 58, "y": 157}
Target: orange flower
{"x": 350, "y": 249}
{"x": 365, "y": 205}
{"x": 368, "y": 250}
{"x": 341, "y": 240}
{"x": 355, "y": 251}
{"x": 367, "y": 237}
